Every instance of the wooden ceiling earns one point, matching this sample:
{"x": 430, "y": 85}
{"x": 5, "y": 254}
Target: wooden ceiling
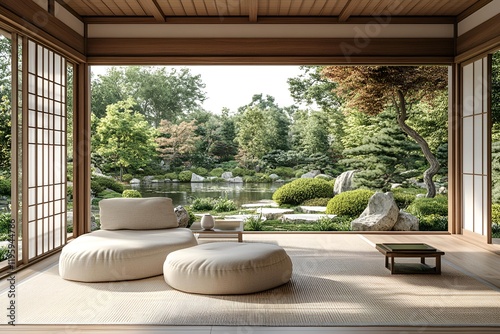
{"x": 258, "y": 10}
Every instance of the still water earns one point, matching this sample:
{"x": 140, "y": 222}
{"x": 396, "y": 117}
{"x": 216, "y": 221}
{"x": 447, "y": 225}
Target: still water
{"x": 184, "y": 193}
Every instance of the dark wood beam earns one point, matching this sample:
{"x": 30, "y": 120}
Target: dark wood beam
{"x": 154, "y": 9}
{"x": 473, "y": 8}
{"x": 51, "y": 7}
{"x": 347, "y": 10}
{"x": 253, "y": 9}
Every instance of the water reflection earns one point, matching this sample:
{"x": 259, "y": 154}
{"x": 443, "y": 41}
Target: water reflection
{"x": 184, "y": 193}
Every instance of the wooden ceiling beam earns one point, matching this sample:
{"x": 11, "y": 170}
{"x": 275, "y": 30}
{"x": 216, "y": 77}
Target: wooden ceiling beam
{"x": 253, "y": 8}
{"x": 154, "y": 9}
{"x": 347, "y": 10}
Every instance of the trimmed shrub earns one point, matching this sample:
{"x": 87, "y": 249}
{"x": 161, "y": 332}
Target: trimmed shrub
{"x": 217, "y": 172}
{"x": 5, "y": 219}
{"x": 317, "y": 201}
{"x": 257, "y": 178}
{"x": 301, "y": 190}
{"x": 96, "y": 187}
{"x": 127, "y": 177}
{"x": 350, "y": 203}
{"x": 433, "y": 223}
{"x": 238, "y": 171}
{"x": 324, "y": 177}
{"x": 423, "y": 206}
{"x": 202, "y": 171}
{"x": 109, "y": 194}
{"x": 299, "y": 173}
{"x": 107, "y": 183}
{"x": 495, "y": 213}
{"x": 172, "y": 176}
{"x": 185, "y": 176}
{"x": 402, "y": 199}
{"x": 332, "y": 224}
{"x": 131, "y": 193}
{"x": 283, "y": 171}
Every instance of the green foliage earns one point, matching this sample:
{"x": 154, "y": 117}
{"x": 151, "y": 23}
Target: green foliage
{"x": 100, "y": 183}
{"x": 109, "y": 194}
{"x": 202, "y": 171}
{"x": 350, "y": 203}
{"x": 495, "y": 213}
{"x": 253, "y": 223}
{"x": 123, "y": 138}
{"x": 127, "y": 177}
{"x": 5, "y": 254}
{"x": 238, "y": 171}
{"x": 317, "y": 201}
{"x": 185, "y": 176}
{"x": 69, "y": 192}
{"x": 333, "y": 224}
{"x": 422, "y": 206}
{"x": 172, "y": 176}
{"x": 257, "y": 178}
{"x": 217, "y": 172}
{"x": 403, "y": 199}
{"x": 433, "y": 222}
{"x": 202, "y": 204}
{"x": 300, "y": 190}
{"x": 69, "y": 171}
{"x": 284, "y": 172}
{"x": 131, "y": 193}
{"x": 5, "y": 220}
{"x": 192, "y": 216}
{"x": 224, "y": 205}
{"x": 5, "y": 186}
{"x": 324, "y": 177}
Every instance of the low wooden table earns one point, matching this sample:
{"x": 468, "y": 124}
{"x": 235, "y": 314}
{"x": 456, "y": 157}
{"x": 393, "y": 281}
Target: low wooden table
{"x": 222, "y": 229}
{"x": 393, "y": 250}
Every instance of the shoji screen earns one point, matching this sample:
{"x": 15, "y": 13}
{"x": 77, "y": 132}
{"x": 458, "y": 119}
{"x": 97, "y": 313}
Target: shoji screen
{"x": 44, "y": 167}
{"x": 475, "y": 152}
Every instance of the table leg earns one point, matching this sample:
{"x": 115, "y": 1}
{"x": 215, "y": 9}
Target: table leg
{"x": 240, "y": 237}
{"x": 438, "y": 264}
{"x": 422, "y": 260}
{"x": 392, "y": 265}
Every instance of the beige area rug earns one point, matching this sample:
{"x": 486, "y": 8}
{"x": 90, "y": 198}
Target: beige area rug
{"x": 338, "y": 280}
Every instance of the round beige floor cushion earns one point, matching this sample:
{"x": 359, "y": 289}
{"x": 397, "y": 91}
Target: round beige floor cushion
{"x": 121, "y": 254}
{"x": 220, "y": 268}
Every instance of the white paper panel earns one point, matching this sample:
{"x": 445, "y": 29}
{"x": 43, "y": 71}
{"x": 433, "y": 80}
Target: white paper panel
{"x": 478, "y": 204}
{"x": 468, "y": 145}
{"x": 478, "y": 144}
{"x": 32, "y": 240}
{"x": 468, "y": 84}
{"x": 468, "y": 202}
{"x": 478, "y": 86}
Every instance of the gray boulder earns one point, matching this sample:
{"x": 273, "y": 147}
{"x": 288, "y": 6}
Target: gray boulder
{"x": 274, "y": 176}
{"x": 197, "y": 178}
{"x": 343, "y": 182}
{"x": 135, "y": 181}
{"x": 381, "y": 214}
{"x": 182, "y": 216}
{"x": 237, "y": 179}
{"x": 311, "y": 174}
{"x": 227, "y": 175}
{"x": 406, "y": 222}
{"x": 148, "y": 179}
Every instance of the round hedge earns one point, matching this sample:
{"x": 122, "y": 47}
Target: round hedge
{"x": 349, "y": 203}
{"x": 299, "y": 190}
{"x": 131, "y": 193}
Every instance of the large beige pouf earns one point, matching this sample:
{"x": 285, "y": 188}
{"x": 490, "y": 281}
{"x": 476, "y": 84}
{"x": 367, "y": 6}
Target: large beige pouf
{"x": 222, "y": 268}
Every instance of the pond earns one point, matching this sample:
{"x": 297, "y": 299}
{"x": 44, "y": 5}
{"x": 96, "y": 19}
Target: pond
{"x": 184, "y": 193}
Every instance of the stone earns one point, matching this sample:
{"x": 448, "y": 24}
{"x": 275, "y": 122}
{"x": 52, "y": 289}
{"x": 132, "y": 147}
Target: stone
{"x": 261, "y": 204}
{"x": 311, "y": 174}
{"x": 324, "y": 177}
{"x": 406, "y": 222}
{"x": 227, "y": 175}
{"x": 135, "y": 181}
{"x": 197, "y": 178}
{"x": 274, "y": 176}
{"x": 273, "y": 213}
{"x": 182, "y": 216}
{"x": 312, "y": 209}
{"x": 237, "y": 179}
{"x": 148, "y": 179}
{"x": 343, "y": 182}
{"x": 381, "y": 214}
{"x": 396, "y": 185}
{"x": 442, "y": 190}
{"x": 420, "y": 196}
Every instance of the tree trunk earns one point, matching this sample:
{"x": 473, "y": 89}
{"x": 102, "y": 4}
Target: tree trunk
{"x": 431, "y": 159}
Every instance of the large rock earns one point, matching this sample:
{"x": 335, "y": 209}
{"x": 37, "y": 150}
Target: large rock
{"x": 406, "y": 222}
{"x": 197, "y": 178}
{"x": 381, "y": 214}
{"x": 273, "y": 213}
{"x": 311, "y": 174}
{"x": 227, "y": 175}
{"x": 343, "y": 182}
{"x": 237, "y": 179}
{"x": 182, "y": 216}
{"x": 135, "y": 181}
{"x": 274, "y": 176}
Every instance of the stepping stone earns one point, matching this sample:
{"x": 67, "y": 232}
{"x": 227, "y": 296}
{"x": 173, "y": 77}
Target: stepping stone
{"x": 261, "y": 203}
{"x": 304, "y": 218}
{"x": 273, "y": 213}
{"x": 312, "y": 209}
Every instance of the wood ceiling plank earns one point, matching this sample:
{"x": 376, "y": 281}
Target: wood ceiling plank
{"x": 188, "y": 8}
{"x": 221, "y": 6}
{"x": 334, "y": 7}
{"x": 404, "y": 8}
{"x": 422, "y": 8}
{"x": 347, "y": 10}
{"x": 234, "y": 7}
{"x": 151, "y": 7}
{"x": 200, "y": 7}
{"x": 177, "y": 7}
{"x": 116, "y": 8}
{"x": 295, "y": 8}
{"x": 273, "y": 8}
{"x": 211, "y": 7}
{"x": 133, "y": 8}
{"x": 285, "y": 6}
{"x": 165, "y": 7}
{"x": 471, "y": 8}
{"x": 253, "y": 10}
{"x": 95, "y": 9}
{"x": 317, "y": 7}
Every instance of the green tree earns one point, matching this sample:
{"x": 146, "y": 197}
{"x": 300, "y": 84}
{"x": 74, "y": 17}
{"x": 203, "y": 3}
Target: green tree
{"x": 124, "y": 139}
{"x": 371, "y": 88}
{"x": 5, "y": 106}
{"x": 384, "y": 157}
{"x": 159, "y": 93}
{"x": 251, "y": 136}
